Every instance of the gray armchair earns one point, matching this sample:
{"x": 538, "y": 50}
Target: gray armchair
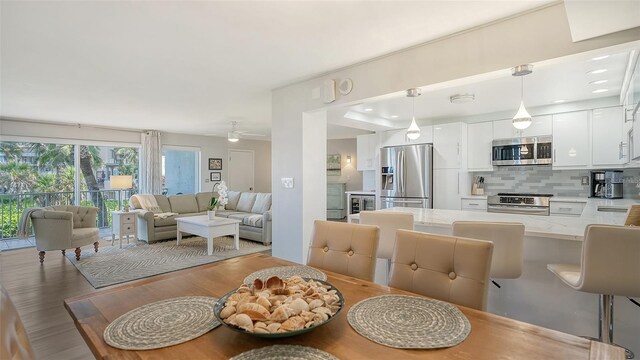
{"x": 64, "y": 227}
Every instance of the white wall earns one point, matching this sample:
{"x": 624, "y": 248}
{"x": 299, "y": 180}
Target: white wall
{"x": 210, "y": 146}
{"x": 532, "y": 37}
{"x": 348, "y": 173}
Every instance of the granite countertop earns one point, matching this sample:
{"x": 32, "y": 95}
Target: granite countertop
{"x": 555, "y": 227}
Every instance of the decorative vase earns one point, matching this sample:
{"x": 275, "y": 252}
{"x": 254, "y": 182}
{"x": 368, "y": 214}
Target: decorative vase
{"x": 212, "y": 214}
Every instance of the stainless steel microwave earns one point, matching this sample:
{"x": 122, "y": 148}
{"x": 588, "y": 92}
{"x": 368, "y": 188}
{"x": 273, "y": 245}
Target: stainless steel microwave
{"x": 535, "y": 150}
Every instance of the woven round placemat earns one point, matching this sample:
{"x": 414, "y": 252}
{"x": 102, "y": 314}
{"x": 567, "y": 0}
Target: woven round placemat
{"x": 408, "y": 322}
{"x": 285, "y": 272}
{"x": 163, "y": 323}
{"x": 285, "y": 352}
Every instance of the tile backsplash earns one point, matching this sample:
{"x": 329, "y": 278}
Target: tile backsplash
{"x": 544, "y": 180}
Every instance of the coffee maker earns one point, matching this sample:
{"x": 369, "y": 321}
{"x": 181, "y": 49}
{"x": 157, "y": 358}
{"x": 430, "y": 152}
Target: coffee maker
{"x": 606, "y": 184}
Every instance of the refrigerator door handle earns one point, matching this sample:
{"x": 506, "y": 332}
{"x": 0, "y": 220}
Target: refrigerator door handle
{"x": 403, "y": 174}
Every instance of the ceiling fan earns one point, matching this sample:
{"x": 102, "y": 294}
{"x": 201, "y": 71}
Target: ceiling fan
{"x": 234, "y": 134}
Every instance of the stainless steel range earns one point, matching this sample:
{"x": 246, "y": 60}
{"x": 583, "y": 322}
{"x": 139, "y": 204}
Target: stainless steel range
{"x": 526, "y": 204}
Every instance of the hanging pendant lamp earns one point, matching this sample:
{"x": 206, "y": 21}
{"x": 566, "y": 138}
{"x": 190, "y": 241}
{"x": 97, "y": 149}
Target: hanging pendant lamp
{"x": 522, "y": 119}
{"x": 413, "y": 132}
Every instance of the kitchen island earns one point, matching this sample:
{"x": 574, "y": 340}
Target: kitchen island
{"x": 538, "y": 296}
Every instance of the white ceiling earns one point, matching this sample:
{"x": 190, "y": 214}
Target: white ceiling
{"x": 192, "y": 67}
{"x": 567, "y": 80}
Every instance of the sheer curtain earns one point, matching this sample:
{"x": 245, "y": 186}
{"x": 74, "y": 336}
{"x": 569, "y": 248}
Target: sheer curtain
{"x": 151, "y": 163}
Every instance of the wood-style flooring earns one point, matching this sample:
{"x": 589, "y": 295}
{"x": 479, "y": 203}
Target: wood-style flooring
{"x": 38, "y": 293}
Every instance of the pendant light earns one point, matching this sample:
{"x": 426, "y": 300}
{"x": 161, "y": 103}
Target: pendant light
{"x": 413, "y": 132}
{"x": 522, "y": 119}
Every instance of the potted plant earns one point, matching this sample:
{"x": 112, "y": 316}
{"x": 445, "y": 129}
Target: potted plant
{"x": 211, "y": 209}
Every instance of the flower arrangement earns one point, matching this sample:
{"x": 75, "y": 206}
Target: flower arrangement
{"x": 222, "y": 194}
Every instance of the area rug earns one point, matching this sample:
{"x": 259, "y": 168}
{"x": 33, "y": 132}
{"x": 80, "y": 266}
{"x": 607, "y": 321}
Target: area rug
{"x": 112, "y": 265}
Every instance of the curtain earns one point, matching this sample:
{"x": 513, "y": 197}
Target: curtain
{"x": 151, "y": 163}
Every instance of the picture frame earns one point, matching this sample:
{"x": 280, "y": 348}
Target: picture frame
{"x": 334, "y": 165}
{"x": 215, "y": 176}
{"x": 215, "y": 164}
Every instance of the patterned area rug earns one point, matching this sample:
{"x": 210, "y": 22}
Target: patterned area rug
{"x": 112, "y": 265}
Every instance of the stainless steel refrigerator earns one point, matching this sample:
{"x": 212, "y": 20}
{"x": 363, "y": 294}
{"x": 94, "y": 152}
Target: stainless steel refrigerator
{"x": 407, "y": 176}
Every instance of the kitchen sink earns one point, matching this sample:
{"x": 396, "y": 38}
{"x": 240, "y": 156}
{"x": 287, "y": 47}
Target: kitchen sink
{"x": 606, "y": 208}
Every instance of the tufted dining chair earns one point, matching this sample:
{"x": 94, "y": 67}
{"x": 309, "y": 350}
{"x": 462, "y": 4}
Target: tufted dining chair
{"x": 348, "y": 249}
{"x": 508, "y": 242}
{"x": 389, "y": 223}
{"x": 64, "y": 227}
{"x": 14, "y": 343}
{"x": 443, "y": 267}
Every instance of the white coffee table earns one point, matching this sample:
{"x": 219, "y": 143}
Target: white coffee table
{"x": 209, "y": 229}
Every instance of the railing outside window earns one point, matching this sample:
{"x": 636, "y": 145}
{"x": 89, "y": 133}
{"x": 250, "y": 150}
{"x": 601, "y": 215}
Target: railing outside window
{"x": 13, "y": 205}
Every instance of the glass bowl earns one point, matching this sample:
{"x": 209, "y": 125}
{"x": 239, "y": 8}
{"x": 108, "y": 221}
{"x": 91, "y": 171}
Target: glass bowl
{"x": 219, "y": 305}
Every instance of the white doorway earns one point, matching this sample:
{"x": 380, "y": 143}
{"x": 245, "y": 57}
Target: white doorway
{"x": 241, "y": 170}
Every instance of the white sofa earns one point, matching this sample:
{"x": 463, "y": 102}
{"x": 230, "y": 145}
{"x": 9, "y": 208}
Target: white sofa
{"x": 255, "y": 220}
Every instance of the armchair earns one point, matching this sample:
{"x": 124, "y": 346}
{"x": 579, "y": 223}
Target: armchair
{"x": 64, "y": 227}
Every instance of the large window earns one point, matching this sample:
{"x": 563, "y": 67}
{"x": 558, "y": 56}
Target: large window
{"x": 42, "y": 174}
{"x": 180, "y": 170}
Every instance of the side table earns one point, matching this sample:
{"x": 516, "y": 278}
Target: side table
{"x": 123, "y": 224}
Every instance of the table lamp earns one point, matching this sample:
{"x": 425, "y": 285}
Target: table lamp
{"x": 121, "y": 182}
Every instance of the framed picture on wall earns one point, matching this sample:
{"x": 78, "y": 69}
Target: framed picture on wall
{"x": 215, "y": 164}
{"x": 215, "y": 176}
{"x": 333, "y": 165}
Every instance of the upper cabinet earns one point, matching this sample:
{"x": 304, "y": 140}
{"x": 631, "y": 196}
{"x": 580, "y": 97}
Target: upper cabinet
{"x": 608, "y": 138}
{"x": 367, "y": 148}
{"x": 571, "y": 140}
{"x": 449, "y": 143}
{"x": 540, "y": 125}
{"x": 479, "y": 138}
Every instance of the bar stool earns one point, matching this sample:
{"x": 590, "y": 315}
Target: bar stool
{"x": 609, "y": 266}
{"x": 507, "y": 239}
{"x": 388, "y": 222}
{"x": 633, "y": 216}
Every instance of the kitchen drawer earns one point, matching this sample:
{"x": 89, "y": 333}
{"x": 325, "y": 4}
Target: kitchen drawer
{"x": 566, "y": 208}
{"x": 128, "y": 219}
{"x": 128, "y": 229}
{"x": 474, "y": 204}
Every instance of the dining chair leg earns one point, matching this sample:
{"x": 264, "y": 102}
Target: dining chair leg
{"x": 605, "y": 321}
{"x": 77, "y": 253}
{"x": 95, "y": 245}
{"x": 41, "y": 255}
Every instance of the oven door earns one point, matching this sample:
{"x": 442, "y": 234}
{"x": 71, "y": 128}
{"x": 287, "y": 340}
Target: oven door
{"x": 523, "y": 210}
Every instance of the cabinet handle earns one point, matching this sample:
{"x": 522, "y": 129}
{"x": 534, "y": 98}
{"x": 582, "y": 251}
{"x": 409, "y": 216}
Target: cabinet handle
{"x": 554, "y": 155}
{"x": 564, "y": 209}
{"x": 473, "y": 204}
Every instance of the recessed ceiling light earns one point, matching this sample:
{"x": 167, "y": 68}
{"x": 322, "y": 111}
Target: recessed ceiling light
{"x": 368, "y": 109}
{"x": 394, "y": 116}
{"x": 599, "y": 91}
{"x": 597, "y": 71}
{"x": 596, "y": 82}
{"x": 461, "y": 98}
{"x": 600, "y": 57}
{"x": 559, "y": 101}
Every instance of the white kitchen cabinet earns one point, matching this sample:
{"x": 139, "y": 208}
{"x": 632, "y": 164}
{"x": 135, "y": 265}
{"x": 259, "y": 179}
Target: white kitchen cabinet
{"x": 367, "y": 147}
{"x": 398, "y": 137}
{"x": 571, "y": 140}
{"x": 607, "y": 136}
{"x": 566, "y": 208}
{"x": 446, "y": 189}
{"x": 479, "y": 138}
{"x": 449, "y": 143}
{"x": 540, "y": 125}
{"x": 473, "y": 204}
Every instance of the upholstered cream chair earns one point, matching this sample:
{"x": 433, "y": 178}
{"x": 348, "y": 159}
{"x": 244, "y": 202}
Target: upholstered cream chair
{"x": 443, "y": 267}
{"x": 348, "y": 249}
{"x": 609, "y": 265}
{"x": 388, "y": 222}
{"x": 633, "y": 216}
{"x": 64, "y": 227}
{"x": 507, "y": 239}
{"x": 14, "y": 343}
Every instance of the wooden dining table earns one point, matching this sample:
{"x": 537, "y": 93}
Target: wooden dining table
{"x": 491, "y": 337}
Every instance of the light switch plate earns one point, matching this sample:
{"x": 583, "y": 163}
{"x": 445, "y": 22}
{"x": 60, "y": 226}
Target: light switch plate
{"x": 287, "y": 183}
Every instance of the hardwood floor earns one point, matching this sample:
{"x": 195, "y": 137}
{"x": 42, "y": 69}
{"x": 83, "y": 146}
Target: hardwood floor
{"x": 38, "y": 293}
